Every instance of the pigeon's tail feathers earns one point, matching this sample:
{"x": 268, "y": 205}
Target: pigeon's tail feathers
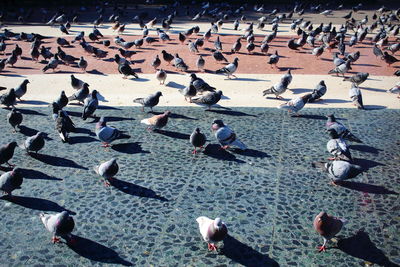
{"x": 222, "y": 70}
{"x": 318, "y": 165}
{"x": 71, "y": 98}
{"x": 332, "y": 71}
{"x": 139, "y": 100}
{"x": 45, "y": 68}
{"x": 145, "y": 121}
{"x": 353, "y": 138}
{"x": 96, "y": 169}
{"x": 64, "y": 137}
{"x": 347, "y": 79}
{"x": 268, "y": 91}
{"x": 239, "y": 144}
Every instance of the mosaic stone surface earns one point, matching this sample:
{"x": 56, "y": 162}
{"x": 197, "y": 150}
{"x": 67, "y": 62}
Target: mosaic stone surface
{"x": 268, "y": 195}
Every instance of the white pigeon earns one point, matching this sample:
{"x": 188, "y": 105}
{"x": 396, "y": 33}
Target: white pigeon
{"x": 229, "y": 69}
{"x": 212, "y": 231}
{"x": 60, "y": 224}
{"x": 226, "y": 136}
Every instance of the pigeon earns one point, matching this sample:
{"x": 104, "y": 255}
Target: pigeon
{"x": 53, "y": 64}
{"x": 106, "y": 134}
{"x": 126, "y": 53}
{"x": 156, "y": 62}
{"x": 395, "y": 89}
{"x": 2, "y": 64}
{"x": 197, "y": 139}
{"x": 21, "y": 89}
{"x": 357, "y": 78}
{"x": 353, "y": 57}
{"x": 209, "y": 99}
{"x": 236, "y": 46}
{"x": 340, "y": 129}
{"x": 218, "y": 44}
{"x": 229, "y": 69}
{"x": 64, "y": 126}
{"x": 250, "y": 47}
{"x": 11, "y": 180}
{"x": 342, "y": 69}
{"x": 7, "y": 152}
{"x": 389, "y": 59}
{"x": 179, "y": 63}
{"x": 107, "y": 170}
{"x": 161, "y": 76}
{"x": 274, "y": 59}
{"x": 12, "y": 59}
{"x": 150, "y": 101}
{"x": 212, "y": 231}
{"x": 150, "y": 40}
{"x": 277, "y": 89}
{"x": 35, "y": 54}
{"x": 318, "y": 92}
{"x": 226, "y": 136}
{"x": 90, "y": 105}
{"x": 394, "y": 48}
{"x": 293, "y": 45}
{"x": 181, "y": 37}
{"x": 126, "y": 70}
{"x": 14, "y": 118}
{"x": 188, "y": 92}
{"x": 82, "y": 63}
{"x": 337, "y": 61}
{"x": 9, "y": 98}
{"x": 60, "y": 224}
{"x": 327, "y": 226}
{"x": 318, "y": 51}
{"x": 18, "y": 51}
{"x": 200, "y": 85}
{"x": 34, "y": 143}
{"x": 296, "y": 104}
{"x": 218, "y": 56}
{"x": 167, "y": 56}
{"x": 377, "y": 52}
{"x": 340, "y": 170}
{"x": 200, "y": 62}
{"x": 121, "y": 61}
{"x": 356, "y": 97}
{"x": 199, "y": 42}
{"x": 338, "y": 147}
{"x": 192, "y": 47}
{"x": 157, "y": 121}
{"x": 62, "y": 100}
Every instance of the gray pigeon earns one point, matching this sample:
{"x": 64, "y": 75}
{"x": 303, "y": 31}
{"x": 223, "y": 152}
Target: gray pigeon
{"x": 82, "y": 63}
{"x": 340, "y": 129}
{"x": 274, "y": 59}
{"x": 230, "y": 68}
{"x": 106, "y": 134}
{"x": 192, "y": 47}
{"x": 179, "y": 63}
{"x": 226, "y": 136}
{"x": 277, "y": 89}
{"x": 200, "y": 62}
{"x": 90, "y": 105}
{"x": 341, "y": 69}
{"x": 356, "y": 97}
{"x": 34, "y": 143}
{"x": 337, "y": 61}
{"x": 357, "y": 78}
{"x": 64, "y": 126}
{"x": 156, "y": 62}
{"x": 7, "y": 152}
{"x": 53, "y": 63}
{"x": 200, "y": 85}
{"x": 161, "y": 76}
{"x": 318, "y": 92}
{"x": 107, "y": 170}
{"x": 218, "y": 44}
{"x": 338, "y": 147}
{"x": 150, "y": 101}
{"x": 197, "y": 139}
{"x": 188, "y": 92}
{"x": 14, "y": 118}
{"x": 339, "y": 170}
{"x": 8, "y": 99}
{"x": 59, "y": 225}
{"x": 20, "y": 90}
{"x": 209, "y": 99}
{"x": 296, "y": 104}
{"x": 11, "y": 180}
{"x": 81, "y": 94}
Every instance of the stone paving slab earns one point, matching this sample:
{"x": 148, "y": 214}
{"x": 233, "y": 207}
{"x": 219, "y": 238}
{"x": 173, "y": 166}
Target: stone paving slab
{"x": 268, "y": 196}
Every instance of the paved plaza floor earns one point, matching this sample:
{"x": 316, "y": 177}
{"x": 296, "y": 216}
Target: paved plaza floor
{"x": 268, "y": 196}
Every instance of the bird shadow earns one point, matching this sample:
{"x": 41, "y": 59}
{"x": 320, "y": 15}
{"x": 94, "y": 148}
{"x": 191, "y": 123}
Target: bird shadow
{"x": 244, "y": 254}
{"x": 107, "y": 108}
{"x": 140, "y": 80}
{"x": 172, "y": 134}
{"x": 56, "y": 161}
{"x": 373, "y": 89}
{"x": 33, "y": 102}
{"x": 97, "y": 72}
{"x": 27, "y": 131}
{"x": 367, "y": 65}
{"x": 135, "y": 190}
{"x": 35, "y": 174}
{"x": 332, "y": 100}
{"x": 367, "y": 188}
{"x": 96, "y": 252}
{"x": 175, "y": 85}
{"x": 112, "y": 118}
{"x": 289, "y": 68}
{"x": 81, "y": 139}
{"x": 174, "y": 115}
{"x": 361, "y": 246}
{"x": 215, "y": 151}
{"x": 312, "y": 116}
{"x": 84, "y": 131}
{"x": 36, "y": 203}
{"x": 31, "y": 112}
{"x": 366, "y": 148}
{"x": 367, "y": 163}
{"x": 374, "y": 107}
{"x": 251, "y": 153}
{"x": 300, "y": 90}
{"x": 129, "y": 148}
{"x": 247, "y": 79}
{"x": 231, "y": 112}
{"x": 11, "y": 75}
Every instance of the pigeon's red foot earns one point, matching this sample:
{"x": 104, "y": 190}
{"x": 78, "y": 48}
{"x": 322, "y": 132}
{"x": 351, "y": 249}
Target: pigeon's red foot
{"x": 11, "y": 165}
{"x": 194, "y": 152}
{"x": 321, "y": 248}
{"x": 105, "y": 145}
{"x": 224, "y": 147}
{"x": 212, "y": 247}
{"x": 334, "y": 183}
{"x": 107, "y": 184}
{"x": 331, "y": 158}
{"x": 55, "y": 239}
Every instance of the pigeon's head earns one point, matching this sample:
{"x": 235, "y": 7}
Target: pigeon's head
{"x": 55, "y": 107}
{"x": 63, "y": 93}
{"x": 331, "y": 118}
{"x": 323, "y": 217}
{"x": 113, "y": 161}
{"x": 12, "y": 91}
{"x": 121, "y": 50}
{"x": 163, "y": 51}
{"x": 85, "y": 85}
{"x": 197, "y": 130}
{"x": 236, "y": 59}
{"x": 101, "y": 123}
{"x": 16, "y": 171}
{"x": 219, "y": 92}
{"x": 94, "y": 93}
{"x": 12, "y": 145}
{"x": 158, "y": 94}
{"x": 193, "y": 76}
{"x": 218, "y": 223}
{"x": 40, "y": 134}
{"x": 167, "y": 113}
{"x": 322, "y": 83}
{"x": 26, "y": 81}
{"x": 217, "y": 124}
{"x": 116, "y": 57}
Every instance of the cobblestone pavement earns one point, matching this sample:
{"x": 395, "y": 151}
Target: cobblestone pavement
{"x": 268, "y": 196}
